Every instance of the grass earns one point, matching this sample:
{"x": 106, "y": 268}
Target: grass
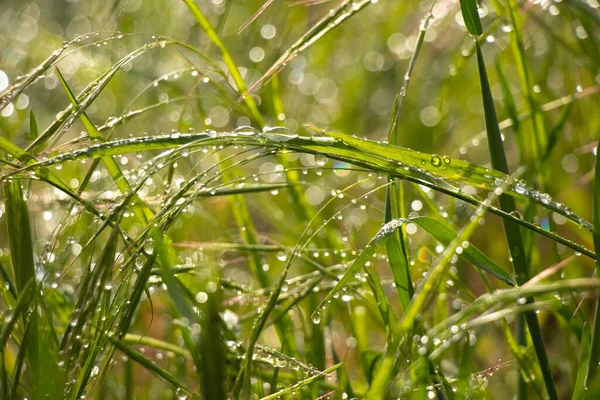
{"x": 322, "y": 199}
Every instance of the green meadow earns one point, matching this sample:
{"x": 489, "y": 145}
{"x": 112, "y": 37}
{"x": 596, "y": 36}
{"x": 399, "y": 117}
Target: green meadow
{"x": 299, "y": 199}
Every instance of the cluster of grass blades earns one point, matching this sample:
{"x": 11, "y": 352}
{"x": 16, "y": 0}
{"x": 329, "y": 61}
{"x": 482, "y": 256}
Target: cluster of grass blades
{"x": 215, "y": 238}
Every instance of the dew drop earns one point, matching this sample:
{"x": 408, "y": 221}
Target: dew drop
{"x": 316, "y": 317}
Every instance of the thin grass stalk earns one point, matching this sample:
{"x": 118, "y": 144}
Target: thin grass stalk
{"x": 512, "y": 231}
{"x": 227, "y": 59}
{"x": 593, "y": 375}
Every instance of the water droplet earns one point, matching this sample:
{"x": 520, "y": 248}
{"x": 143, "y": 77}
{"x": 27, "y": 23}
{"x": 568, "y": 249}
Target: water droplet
{"x": 320, "y": 159}
{"x": 316, "y": 317}
{"x": 436, "y": 161}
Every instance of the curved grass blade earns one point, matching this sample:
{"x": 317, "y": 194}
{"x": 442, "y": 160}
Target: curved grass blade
{"x": 366, "y": 255}
{"x": 151, "y": 366}
{"x": 333, "y": 149}
{"x": 13, "y": 91}
{"x": 445, "y": 235}
{"x": 402, "y": 162}
{"x": 292, "y": 389}
{"x": 67, "y": 117}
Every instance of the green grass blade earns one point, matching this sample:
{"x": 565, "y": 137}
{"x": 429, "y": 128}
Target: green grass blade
{"x": 19, "y": 235}
{"x": 33, "y": 128}
{"x": 8, "y": 280}
{"x": 471, "y": 17}
{"x": 512, "y": 231}
{"x": 445, "y": 235}
{"x": 593, "y": 377}
{"x": 21, "y": 255}
{"x": 212, "y": 348}
{"x": 365, "y": 255}
{"x": 151, "y": 366}
{"x": 20, "y": 309}
{"x": 227, "y": 59}
{"x": 584, "y": 364}
{"x": 94, "y": 134}
{"x": 16, "y": 89}
{"x": 292, "y": 389}
{"x": 396, "y": 252}
{"x": 535, "y": 146}
{"x": 464, "y": 371}
{"x": 333, "y": 19}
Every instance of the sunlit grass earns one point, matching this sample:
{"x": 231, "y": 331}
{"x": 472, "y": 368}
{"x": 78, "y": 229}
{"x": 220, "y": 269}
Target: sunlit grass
{"x": 350, "y": 199}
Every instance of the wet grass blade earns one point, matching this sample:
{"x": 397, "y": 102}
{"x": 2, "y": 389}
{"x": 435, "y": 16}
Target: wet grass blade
{"x": 471, "y": 254}
{"x": 8, "y": 280}
{"x": 94, "y": 134}
{"x": 212, "y": 347}
{"x": 512, "y": 230}
{"x": 33, "y": 128}
{"x": 464, "y": 371}
{"x": 333, "y": 19}
{"x": 593, "y": 377}
{"x": 404, "y": 163}
{"x": 292, "y": 389}
{"x": 365, "y": 255}
{"x": 396, "y": 250}
{"x": 533, "y": 148}
{"x": 20, "y": 309}
{"x": 471, "y": 17}
{"x": 227, "y": 59}
{"x": 584, "y": 364}
{"x": 151, "y": 366}
{"x": 21, "y": 256}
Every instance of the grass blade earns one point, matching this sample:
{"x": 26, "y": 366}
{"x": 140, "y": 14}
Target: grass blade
{"x": 471, "y": 17}
{"x": 593, "y": 377}
{"x": 512, "y": 231}
{"x": 151, "y": 366}
{"x": 584, "y": 364}
{"x": 445, "y": 235}
{"x": 292, "y": 389}
{"x": 33, "y": 128}
{"x": 21, "y": 255}
{"x": 227, "y": 59}
{"x": 378, "y": 240}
